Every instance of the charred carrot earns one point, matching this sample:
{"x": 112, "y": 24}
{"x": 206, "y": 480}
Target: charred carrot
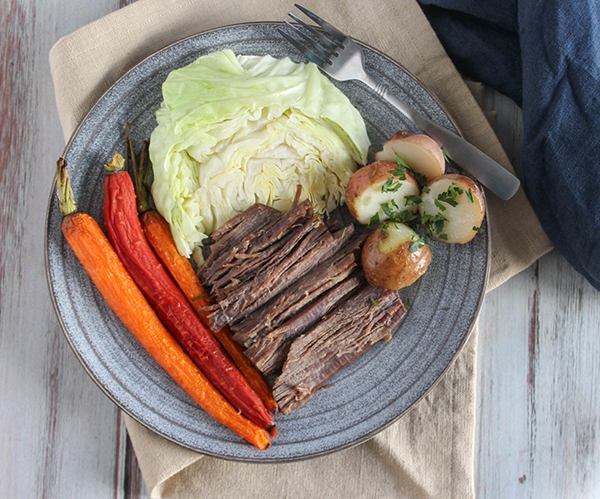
{"x": 102, "y": 264}
{"x": 159, "y": 236}
{"x": 172, "y": 307}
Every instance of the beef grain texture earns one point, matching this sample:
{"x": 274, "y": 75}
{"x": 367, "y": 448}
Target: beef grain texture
{"x": 299, "y": 295}
{"x": 252, "y": 221}
{"x": 269, "y": 352}
{"x": 348, "y": 332}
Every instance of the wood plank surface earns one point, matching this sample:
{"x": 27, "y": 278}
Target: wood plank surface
{"x": 58, "y": 435}
{"x": 538, "y": 394}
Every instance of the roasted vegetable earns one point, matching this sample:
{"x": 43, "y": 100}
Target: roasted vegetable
{"x": 169, "y": 302}
{"x": 102, "y": 264}
{"x": 452, "y": 209}
{"x": 376, "y": 191}
{"x": 159, "y": 236}
{"x": 395, "y": 258}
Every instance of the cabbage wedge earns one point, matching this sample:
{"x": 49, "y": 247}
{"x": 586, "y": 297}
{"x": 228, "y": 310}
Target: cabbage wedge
{"x": 236, "y": 130}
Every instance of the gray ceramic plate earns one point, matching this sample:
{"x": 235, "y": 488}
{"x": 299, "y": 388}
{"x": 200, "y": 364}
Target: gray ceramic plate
{"x": 366, "y": 396}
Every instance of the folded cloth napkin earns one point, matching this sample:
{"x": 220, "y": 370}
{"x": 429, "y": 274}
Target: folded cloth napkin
{"x": 429, "y": 452}
{"x": 545, "y": 55}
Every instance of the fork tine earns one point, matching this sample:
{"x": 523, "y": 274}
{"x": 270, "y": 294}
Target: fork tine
{"x": 322, "y": 40}
{"x": 337, "y": 35}
{"x": 313, "y": 43}
{"x": 305, "y": 50}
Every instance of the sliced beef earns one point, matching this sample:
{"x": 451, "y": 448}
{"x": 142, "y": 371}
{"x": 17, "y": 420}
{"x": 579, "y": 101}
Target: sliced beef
{"x": 333, "y": 225}
{"x": 248, "y": 265}
{"x": 255, "y": 243}
{"x": 297, "y": 214}
{"x": 246, "y": 222}
{"x": 332, "y": 344}
{"x": 269, "y": 352}
{"x": 252, "y": 221}
{"x": 241, "y": 299}
{"x": 296, "y": 297}
{"x": 300, "y": 294}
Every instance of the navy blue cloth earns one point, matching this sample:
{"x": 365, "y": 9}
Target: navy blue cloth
{"x": 545, "y": 55}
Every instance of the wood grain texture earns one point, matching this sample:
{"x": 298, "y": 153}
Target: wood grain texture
{"x": 57, "y": 435}
{"x": 538, "y": 394}
{"x": 538, "y": 398}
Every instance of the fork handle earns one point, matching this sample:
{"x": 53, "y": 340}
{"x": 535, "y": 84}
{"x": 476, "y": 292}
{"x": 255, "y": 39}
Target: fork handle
{"x": 499, "y": 180}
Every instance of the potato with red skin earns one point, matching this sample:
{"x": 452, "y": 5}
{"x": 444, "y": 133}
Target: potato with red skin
{"x": 365, "y": 191}
{"x": 387, "y": 260}
{"x": 460, "y": 219}
{"x": 420, "y": 152}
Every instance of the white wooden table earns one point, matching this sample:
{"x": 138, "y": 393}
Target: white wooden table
{"x": 538, "y": 398}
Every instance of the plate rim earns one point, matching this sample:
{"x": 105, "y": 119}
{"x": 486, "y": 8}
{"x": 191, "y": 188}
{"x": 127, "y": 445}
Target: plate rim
{"x": 266, "y": 460}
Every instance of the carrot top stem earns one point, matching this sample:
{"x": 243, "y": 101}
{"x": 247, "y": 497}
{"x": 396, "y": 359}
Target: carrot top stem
{"x": 140, "y": 175}
{"x": 116, "y": 164}
{"x": 132, "y": 156}
{"x": 66, "y": 201}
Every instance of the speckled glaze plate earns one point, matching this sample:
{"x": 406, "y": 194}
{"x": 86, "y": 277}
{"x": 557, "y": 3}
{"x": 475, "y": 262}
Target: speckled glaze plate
{"x": 365, "y": 397}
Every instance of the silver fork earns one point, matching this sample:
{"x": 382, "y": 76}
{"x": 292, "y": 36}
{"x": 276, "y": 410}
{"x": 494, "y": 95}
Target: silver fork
{"x": 341, "y": 58}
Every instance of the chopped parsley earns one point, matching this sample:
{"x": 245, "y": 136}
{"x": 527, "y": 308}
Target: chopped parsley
{"x": 390, "y": 186}
{"x": 199, "y": 296}
{"x": 449, "y": 196}
{"x": 393, "y": 217}
{"x": 446, "y": 308}
{"x": 402, "y": 168}
{"x": 478, "y": 229}
{"x": 421, "y": 179}
{"x": 417, "y": 245}
{"x": 374, "y": 222}
{"x": 408, "y": 303}
{"x": 434, "y": 223}
{"x": 375, "y": 303}
{"x": 386, "y": 209}
{"x": 448, "y": 159}
{"x": 412, "y": 200}
{"x": 344, "y": 232}
{"x": 470, "y": 195}
{"x": 439, "y": 205}
{"x": 404, "y": 217}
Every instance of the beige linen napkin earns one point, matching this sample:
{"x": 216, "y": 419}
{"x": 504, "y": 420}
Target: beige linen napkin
{"x": 429, "y": 452}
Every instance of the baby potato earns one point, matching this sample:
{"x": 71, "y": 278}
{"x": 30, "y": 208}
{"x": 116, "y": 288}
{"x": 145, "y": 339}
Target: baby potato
{"x": 459, "y": 201}
{"x": 367, "y": 191}
{"x": 394, "y": 258}
{"x": 420, "y": 152}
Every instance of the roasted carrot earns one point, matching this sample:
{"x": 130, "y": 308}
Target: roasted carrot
{"x": 102, "y": 264}
{"x": 159, "y": 236}
{"x": 172, "y": 307}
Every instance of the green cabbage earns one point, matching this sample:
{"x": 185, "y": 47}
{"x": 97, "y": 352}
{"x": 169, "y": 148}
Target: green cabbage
{"x": 236, "y": 130}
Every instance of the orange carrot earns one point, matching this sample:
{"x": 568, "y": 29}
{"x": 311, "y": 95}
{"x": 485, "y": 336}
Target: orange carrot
{"x": 102, "y": 264}
{"x": 159, "y": 236}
